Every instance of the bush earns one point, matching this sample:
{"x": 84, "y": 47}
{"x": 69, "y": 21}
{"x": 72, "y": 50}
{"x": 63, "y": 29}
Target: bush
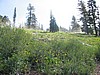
{"x": 12, "y": 43}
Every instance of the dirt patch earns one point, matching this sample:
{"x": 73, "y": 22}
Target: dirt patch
{"x": 97, "y": 70}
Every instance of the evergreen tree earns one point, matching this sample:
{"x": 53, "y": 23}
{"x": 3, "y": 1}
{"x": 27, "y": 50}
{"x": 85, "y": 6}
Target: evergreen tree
{"x": 1, "y": 19}
{"x": 98, "y": 14}
{"x": 4, "y": 21}
{"x": 41, "y": 27}
{"x": 31, "y": 20}
{"x": 89, "y": 16}
{"x": 84, "y": 16}
{"x": 92, "y": 10}
{"x": 53, "y": 25}
{"x": 74, "y": 24}
{"x": 69, "y": 29}
{"x": 14, "y": 17}
{"x": 63, "y": 29}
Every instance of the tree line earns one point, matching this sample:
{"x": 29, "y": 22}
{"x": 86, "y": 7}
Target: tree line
{"x": 31, "y": 20}
{"x": 89, "y": 16}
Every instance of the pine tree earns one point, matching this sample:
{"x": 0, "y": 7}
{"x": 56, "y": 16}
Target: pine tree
{"x": 31, "y": 20}
{"x": 41, "y": 27}
{"x": 14, "y": 17}
{"x": 98, "y": 14}
{"x": 92, "y": 10}
{"x": 74, "y": 24}
{"x": 5, "y": 21}
{"x": 53, "y": 25}
{"x": 84, "y": 16}
{"x": 1, "y": 18}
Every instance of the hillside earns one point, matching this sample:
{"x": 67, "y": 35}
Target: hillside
{"x": 25, "y": 51}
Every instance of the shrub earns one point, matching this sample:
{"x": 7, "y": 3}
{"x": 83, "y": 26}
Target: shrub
{"x": 12, "y": 43}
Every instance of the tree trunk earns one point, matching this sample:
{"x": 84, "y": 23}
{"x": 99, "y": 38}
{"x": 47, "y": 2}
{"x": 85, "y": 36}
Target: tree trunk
{"x": 95, "y": 28}
{"x": 99, "y": 29}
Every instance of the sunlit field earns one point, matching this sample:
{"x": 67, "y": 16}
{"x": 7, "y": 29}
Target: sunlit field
{"x": 25, "y": 51}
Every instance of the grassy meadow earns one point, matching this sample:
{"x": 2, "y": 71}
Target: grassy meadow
{"x": 23, "y": 51}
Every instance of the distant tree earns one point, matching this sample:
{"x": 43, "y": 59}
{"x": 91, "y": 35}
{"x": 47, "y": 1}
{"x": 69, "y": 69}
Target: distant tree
{"x": 14, "y": 17}
{"x": 5, "y": 20}
{"x": 53, "y": 25}
{"x": 84, "y": 16}
{"x": 41, "y": 27}
{"x": 1, "y": 19}
{"x": 63, "y": 29}
{"x": 70, "y": 29}
{"x": 48, "y": 29}
{"x": 31, "y": 19}
{"x": 74, "y": 24}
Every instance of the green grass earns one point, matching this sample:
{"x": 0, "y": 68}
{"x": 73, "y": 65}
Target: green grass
{"x": 80, "y": 43}
{"x": 59, "y": 53}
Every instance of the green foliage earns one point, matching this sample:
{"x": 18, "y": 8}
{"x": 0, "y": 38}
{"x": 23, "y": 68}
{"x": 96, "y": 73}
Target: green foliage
{"x": 84, "y": 16}
{"x": 50, "y": 53}
{"x": 75, "y": 25}
{"x": 4, "y": 21}
{"x": 92, "y": 10}
{"x": 14, "y": 17}
{"x": 62, "y": 57}
{"x": 12, "y": 43}
{"x": 89, "y": 17}
{"x": 31, "y": 18}
{"x": 53, "y": 25}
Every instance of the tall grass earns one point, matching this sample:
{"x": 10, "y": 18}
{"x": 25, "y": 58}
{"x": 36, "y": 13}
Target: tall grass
{"x": 50, "y": 53}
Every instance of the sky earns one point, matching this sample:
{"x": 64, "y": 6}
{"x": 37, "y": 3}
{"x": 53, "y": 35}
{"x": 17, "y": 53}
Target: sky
{"x": 63, "y": 10}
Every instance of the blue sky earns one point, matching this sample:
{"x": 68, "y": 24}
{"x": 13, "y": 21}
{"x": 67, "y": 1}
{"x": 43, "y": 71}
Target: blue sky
{"x": 63, "y": 10}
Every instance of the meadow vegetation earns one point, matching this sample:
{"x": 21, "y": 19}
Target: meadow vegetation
{"x": 59, "y": 53}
